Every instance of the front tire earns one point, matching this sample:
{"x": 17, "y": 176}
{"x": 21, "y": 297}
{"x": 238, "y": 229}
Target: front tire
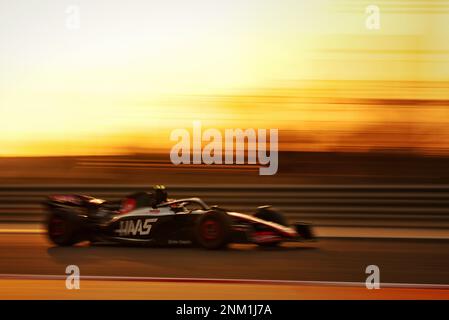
{"x": 213, "y": 230}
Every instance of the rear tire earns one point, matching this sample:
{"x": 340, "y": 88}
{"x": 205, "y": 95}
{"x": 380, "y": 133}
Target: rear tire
{"x": 213, "y": 230}
{"x": 63, "y": 229}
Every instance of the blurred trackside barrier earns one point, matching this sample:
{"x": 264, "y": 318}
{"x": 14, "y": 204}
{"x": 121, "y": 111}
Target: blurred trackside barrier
{"x": 413, "y": 206}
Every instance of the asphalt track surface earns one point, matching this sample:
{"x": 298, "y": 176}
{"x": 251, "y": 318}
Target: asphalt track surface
{"x": 345, "y": 260}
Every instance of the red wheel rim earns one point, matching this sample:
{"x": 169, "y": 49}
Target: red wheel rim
{"x": 57, "y": 227}
{"x": 210, "y": 229}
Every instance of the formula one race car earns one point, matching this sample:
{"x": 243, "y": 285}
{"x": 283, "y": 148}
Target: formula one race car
{"x": 151, "y": 218}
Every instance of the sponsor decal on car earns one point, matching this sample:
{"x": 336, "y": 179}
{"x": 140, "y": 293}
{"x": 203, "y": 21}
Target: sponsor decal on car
{"x": 179, "y": 242}
{"x": 135, "y": 227}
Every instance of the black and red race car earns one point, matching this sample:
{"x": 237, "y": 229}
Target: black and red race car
{"x": 151, "y": 218}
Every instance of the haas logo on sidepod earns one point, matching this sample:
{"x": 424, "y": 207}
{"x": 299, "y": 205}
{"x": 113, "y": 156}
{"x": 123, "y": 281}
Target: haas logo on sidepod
{"x": 131, "y": 227}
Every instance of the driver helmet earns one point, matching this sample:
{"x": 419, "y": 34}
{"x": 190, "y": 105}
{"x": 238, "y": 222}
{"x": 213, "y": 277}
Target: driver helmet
{"x": 160, "y": 193}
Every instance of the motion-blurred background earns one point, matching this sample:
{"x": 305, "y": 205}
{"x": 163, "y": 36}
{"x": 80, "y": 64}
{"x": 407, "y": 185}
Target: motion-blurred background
{"x": 90, "y": 90}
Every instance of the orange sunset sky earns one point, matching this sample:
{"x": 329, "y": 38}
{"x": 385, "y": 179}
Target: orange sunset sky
{"x": 135, "y": 70}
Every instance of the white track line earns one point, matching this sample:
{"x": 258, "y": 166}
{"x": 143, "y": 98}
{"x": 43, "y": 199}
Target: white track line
{"x": 225, "y": 281}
